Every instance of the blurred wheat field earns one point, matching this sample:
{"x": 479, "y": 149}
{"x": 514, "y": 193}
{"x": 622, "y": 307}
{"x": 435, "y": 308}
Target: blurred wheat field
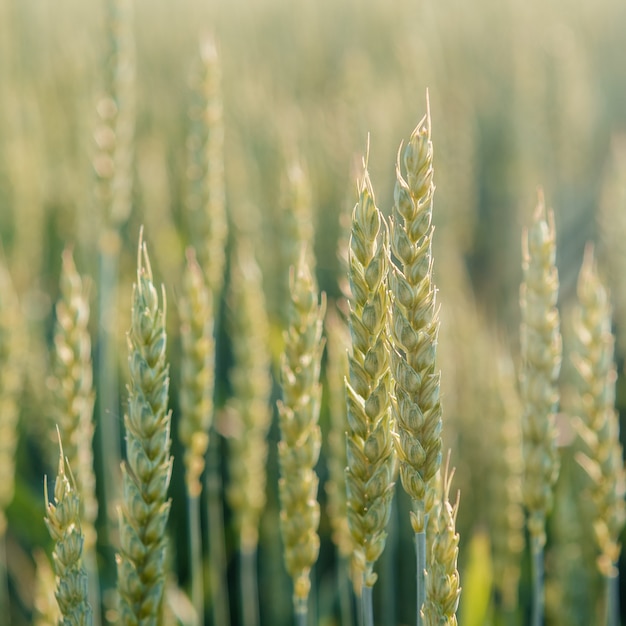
{"x": 522, "y": 95}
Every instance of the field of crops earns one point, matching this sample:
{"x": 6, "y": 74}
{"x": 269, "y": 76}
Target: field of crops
{"x": 270, "y": 270}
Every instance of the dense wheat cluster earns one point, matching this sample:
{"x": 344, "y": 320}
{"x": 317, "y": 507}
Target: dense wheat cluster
{"x": 260, "y": 454}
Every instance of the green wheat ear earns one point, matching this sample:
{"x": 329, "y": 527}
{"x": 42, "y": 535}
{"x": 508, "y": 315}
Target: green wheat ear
{"x": 301, "y": 437}
{"x": 541, "y": 348}
{"x": 63, "y": 522}
{"x": 370, "y": 451}
{"x": 147, "y": 470}
{"x": 415, "y": 325}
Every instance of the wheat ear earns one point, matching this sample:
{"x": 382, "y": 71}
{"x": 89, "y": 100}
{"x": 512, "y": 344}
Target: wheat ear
{"x": 147, "y": 470}
{"x": 415, "y": 325}
{"x": 74, "y": 394}
{"x": 599, "y": 422}
{"x": 63, "y": 522}
{"x": 197, "y": 372}
{"x": 442, "y": 579}
{"x": 73, "y": 385}
{"x": 249, "y": 411}
{"x": 541, "y": 348}
{"x": 301, "y": 437}
{"x": 370, "y": 453}
{"x": 205, "y": 170}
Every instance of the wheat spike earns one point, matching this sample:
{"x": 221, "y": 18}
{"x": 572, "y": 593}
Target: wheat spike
{"x": 249, "y": 408}
{"x": 442, "y": 579}
{"x": 599, "y": 422}
{"x": 541, "y": 348}
{"x": 370, "y": 452}
{"x": 197, "y": 372}
{"x": 301, "y": 437}
{"x": 63, "y": 522}
{"x": 73, "y": 387}
{"x": 417, "y": 409}
{"x": 147, "y": 470}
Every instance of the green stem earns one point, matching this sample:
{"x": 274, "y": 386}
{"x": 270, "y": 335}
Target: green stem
{"x": 93, "y": 583}
{"x": 249, "y": 587}
{"x": 537, "y": 578}
{"x": 301, "y": 617}
{"x": 195, "y": 558}
{"x": 612, "y": 600}
{"x": 216, "y": 536}
{"x": 367, "y": 605}
{"x": 107, "y": 396}
{"x": 345, "y": 595}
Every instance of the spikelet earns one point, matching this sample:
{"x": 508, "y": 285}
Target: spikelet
{"x": 249, "y": 409}
{"x": 541, "y": 363}
{"x": 147, "y": 471}
{"x": 205, "y": 167}
{"x": 197, "y": 372}
{"x": 301, "y": 439}
{"x": 10, "y": 386}
{"x": 73, "y": 388}
{"x": 415, "y": 325}
{"x": 442, "y": 578}
{"x": 370, "y": 452}
{"x": 63, "y": 522}
{"x": 599, "y": 423}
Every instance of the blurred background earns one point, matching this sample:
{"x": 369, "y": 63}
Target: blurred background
{"x": 523, "y": 94}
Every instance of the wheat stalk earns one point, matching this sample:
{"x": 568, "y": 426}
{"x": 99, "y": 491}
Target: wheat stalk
{"x": 541, "y": 363}
{"x": 301, "y": 437}
{"x": 63, "y": 522}
{"x": 415, "y": 325}
{"x": 370, "y": 452}
{"x": 147, "y": 470}
{"x": 599, "y": 423}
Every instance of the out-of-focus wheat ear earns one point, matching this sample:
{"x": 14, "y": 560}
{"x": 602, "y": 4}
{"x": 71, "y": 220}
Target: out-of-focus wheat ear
{"x": 415, "y": 326}
{"x": 598, "y": 422}
{"x": 301, "y": 438}
{"x": 248, "y": 411}
{"x": 612, "y": 230}
{"x": 206, "y": 208}
{"x": 64, "y": 525}
{"x": 196, "y": 405}
{"x": 46, "y": 608}
{"x": 114, "y": 177}
{"x": 370, "y": 451}
{"x": 507, "y": 512}
{"x": 11, "y": 382}
{"x": 337, "y": 370}
{"x": 72, "y": 386}
{"x": 147, "y": 470}
{"x": 541, "y": 348}
{"x": 197, "y": 372}
{"x": 10, "y": 387}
